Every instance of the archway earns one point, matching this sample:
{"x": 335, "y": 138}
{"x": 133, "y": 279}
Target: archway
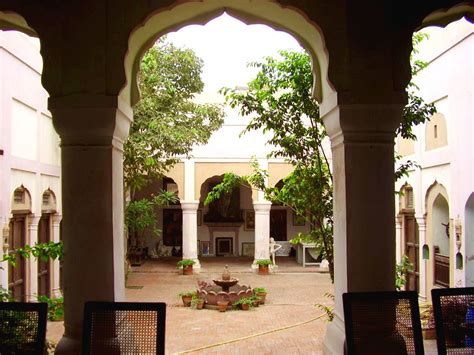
{"x": 469, "y": 240}
{"x": 437, "y": 238}
{"x": 263, "y": 12}
{"x": 441, "y": 235}
{"x": 18, "y": 237}
{"x": 227, "y": 227}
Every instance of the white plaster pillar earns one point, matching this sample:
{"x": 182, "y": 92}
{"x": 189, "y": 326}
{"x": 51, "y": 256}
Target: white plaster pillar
{"x": 262, "y": 229}
{"x": 32, "y": 262}
{"x": 55, "y": 281}
{"x": 398, "y": 239}
{"x": 422, "y": 266}
{"x": 4, "y": 249}
{"x": 92, "y": 130}
{"x": 190, "y": 250}
{"x": 189, "y": 179}
{"x": 362, "y": 140}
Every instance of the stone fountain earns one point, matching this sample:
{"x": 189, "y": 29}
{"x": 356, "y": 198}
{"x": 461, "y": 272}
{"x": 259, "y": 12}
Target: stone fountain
{"x": 224, "y": 289}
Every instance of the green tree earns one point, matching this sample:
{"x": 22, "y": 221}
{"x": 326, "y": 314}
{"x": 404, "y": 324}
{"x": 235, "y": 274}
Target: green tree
{"x": 167, "y": 123}
{"x": 280, "y": 101}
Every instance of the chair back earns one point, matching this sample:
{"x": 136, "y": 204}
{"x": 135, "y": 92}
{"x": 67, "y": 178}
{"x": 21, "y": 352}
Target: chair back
{"x": 124, "y": 328}
{"x": 382, "y": 323}
{"x": 454, "y": 319}
{"x": 23, "y": 327}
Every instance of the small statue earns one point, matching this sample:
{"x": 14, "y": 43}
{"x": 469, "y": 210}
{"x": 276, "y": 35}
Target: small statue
{"x": 273, "y": 249}
{"x": 226, "y": 274}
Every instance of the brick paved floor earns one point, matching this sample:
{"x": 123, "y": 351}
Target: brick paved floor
{"x": 293, "y": 293}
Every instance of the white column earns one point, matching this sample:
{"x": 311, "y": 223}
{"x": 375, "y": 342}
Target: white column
{"x": 362, "y": 142}
{"x": 262, "y": 229}
{"x": 4, "y": 250}
{"x": 190, "y": 251}
{"x": 422, "y": 266}
{"x": 56, "y": 291}
{"x": 92, "y": 129}
{"x": 32, "y": 262}
{"x": 398, "y": 239}
{"x": 189, "y": 179}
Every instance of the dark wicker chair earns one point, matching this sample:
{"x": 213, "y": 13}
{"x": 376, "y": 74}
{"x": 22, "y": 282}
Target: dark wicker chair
{"x": 382, "y": 323}
{"x": 454, "y": 319}
{"x": 23, "y": 327}
{"x": 124, "y": 328}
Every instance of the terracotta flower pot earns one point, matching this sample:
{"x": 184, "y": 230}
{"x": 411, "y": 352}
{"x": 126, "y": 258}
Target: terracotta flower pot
{"x": 245, "y": 307}
{"x": 263, "y": 269}
{"x": 186, "y": 300}
{"x": 222, "y": 305}
{"x": 262, "y": 296}
{"x": 200, "y": 305}
{"x": 188, "y": 270}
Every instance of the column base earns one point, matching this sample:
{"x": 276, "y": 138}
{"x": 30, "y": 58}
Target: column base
{"x": 335, "y": 337}
{"x": 197, "y": 266}
{"x": 68, "y": 346}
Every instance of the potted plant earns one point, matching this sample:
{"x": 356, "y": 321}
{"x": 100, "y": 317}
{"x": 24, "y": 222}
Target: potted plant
{"x": 197, "y": 302}
{"x": 222, "y": 304}
{"x": 263, "y": 266}
{"x": 255, "y": 300}
{"x": 244, "y": 303}
{"x": 261, "y": 293}
{"x": 187, "y": 266}
{"x": 187, "y": 297}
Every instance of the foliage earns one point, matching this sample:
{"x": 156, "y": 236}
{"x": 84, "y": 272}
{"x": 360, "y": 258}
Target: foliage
{"x": 244, "y": 300}
{"x": 196, "y": 300}
{"x": 259, "y": 290}
{"x": 5, "y": 295}
{"x": 263, "y": 262}
{"x": 167, "y": 122}
{"x": 186, "y": 262}
{"x": 279, "y": 100}
{"x": 55, "y": 307}
{"x": 329, "y": 311}
{"x": 401, "y": 271}
{"x": 42, "y": 251}
{"x": 140, "y": 215}
{"x": 417, "y": 111}
{"x": 191, "y": 294}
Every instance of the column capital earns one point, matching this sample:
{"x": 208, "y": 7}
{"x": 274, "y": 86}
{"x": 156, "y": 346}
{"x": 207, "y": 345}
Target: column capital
{"x": 421, "y": 220}
{"x": 84, "y": 119}
{"x": 189, "y": 206}
{"x": 362, "y": 123}
{"x": 262, "y": 206}
{"x": 33, "y": 221}
{"x": 57, "y": 218}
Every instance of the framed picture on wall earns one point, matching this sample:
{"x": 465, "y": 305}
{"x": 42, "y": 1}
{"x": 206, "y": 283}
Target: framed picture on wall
{"x": 298, "y": 220}
{"x": 248, "y": 249}
{"x": 199, "y": 217}
{"x": 249, "y": 218}
{"x": 205, "y": 247}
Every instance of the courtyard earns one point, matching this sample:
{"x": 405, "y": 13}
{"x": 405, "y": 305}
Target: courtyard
{"x": 288, "y": 323}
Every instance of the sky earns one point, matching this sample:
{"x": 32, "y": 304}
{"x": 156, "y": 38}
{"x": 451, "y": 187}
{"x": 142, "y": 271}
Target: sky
{"x": 226, "y": 45}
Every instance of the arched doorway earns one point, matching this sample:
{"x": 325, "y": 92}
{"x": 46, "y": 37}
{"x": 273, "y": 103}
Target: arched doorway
{"x": 441, "y": 235}
{"x": 411, "y": 239}
{"x": 21, "y": 208}
{"x": 469, "y": 240}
